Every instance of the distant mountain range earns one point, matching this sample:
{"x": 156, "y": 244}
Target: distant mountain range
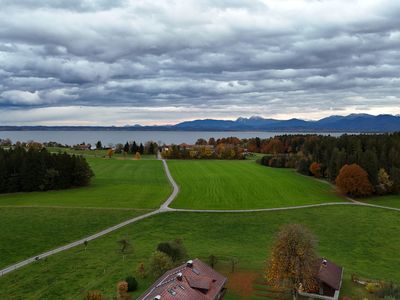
{"x": 350, "y": 123}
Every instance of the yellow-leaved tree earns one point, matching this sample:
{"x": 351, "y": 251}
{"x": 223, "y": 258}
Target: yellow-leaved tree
{"x": 292, "y": 265}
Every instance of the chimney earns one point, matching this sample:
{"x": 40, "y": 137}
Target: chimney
{"x": 179, "y": 276}
{"x": 189, "y": 264}
{"x": 324, "y": 262}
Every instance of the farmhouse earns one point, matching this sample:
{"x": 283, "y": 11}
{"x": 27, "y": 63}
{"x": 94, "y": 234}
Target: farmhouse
{"x": 329, "y": 277}
{"x": 193, "y": 280}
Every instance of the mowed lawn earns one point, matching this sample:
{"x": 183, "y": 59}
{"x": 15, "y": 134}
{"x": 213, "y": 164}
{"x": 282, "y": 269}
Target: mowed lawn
{"x": 117, "y": 183}
{"x": 216, "y": 184}
{"x": 26, "y": 232}
{"x": 362, "y": 239}
{"x": 390, "y": 200}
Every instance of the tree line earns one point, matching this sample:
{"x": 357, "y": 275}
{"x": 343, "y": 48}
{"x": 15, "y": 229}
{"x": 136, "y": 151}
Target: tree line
{"x": 33, "y": 169}
{"x": 149, "y": 147}
{"x": 218, "y": 151}
{"x": 370, "y": 160}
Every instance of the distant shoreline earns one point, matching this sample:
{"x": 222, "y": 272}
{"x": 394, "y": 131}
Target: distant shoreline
{"x": 155, "y": 129}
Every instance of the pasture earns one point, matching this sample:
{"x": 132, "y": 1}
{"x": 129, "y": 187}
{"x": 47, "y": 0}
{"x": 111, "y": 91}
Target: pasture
{"x": 26, "y": 232}
{"x": 216, "y": 184}
{"x": 117, "y": 183}
{"x": 363, "y": 240}
{"x": 390, "y": 200}
{"x": 101, "y": 153}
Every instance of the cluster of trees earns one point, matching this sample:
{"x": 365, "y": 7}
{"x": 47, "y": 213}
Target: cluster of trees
{"x": 339, "y": 159}
{"x": 5, "y": 143}
{"x": 167, "y": 256}
{"x": 133, "y": 148}
{"x": 33, "y": 169}
{"x": 219, "y": 151}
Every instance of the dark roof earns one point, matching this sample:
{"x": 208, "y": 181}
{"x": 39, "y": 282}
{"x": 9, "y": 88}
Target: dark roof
{"x": 329, "y": 273}
{"x": 199, "y": 282}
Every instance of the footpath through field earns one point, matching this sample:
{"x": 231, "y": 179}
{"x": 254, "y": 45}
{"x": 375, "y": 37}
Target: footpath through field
{"x": 165, "y": 208}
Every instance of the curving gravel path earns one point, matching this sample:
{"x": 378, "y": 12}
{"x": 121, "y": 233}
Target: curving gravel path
{"x": 165, "y": 208}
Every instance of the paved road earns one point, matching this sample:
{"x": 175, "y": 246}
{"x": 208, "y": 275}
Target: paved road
{"x": 165, "y": 208}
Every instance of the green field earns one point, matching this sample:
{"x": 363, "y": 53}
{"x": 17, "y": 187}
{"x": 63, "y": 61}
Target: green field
{"x": 244, "y": 185}
{"x": 26, "y": 232}
{"x": 117, "y": 183}
{"x": 97, "y": 153}
{"x": 390, "y": 201}
{"x": 364, "y": 240}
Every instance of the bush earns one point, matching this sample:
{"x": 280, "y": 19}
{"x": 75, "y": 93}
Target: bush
{"x": 174, "y": 249}
{"x": 132, "y": 283}
{"x": 371, "y": 287}
{"x": 94, "y": 295}
{"x": 160, "y": 263}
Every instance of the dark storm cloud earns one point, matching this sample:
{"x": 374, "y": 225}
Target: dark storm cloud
{"x": 254, "y": 57}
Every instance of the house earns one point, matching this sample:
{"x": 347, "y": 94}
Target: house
{"x": 194, "y": 280}
{"x": 329, "y": 277}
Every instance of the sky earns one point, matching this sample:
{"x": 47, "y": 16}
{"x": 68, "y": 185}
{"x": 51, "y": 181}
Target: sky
{"x": 121, "y": 62}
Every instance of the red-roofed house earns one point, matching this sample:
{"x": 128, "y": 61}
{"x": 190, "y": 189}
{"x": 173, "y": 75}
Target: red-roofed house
{"x": 194, "y": 280}
{"x": 329, "y": 277}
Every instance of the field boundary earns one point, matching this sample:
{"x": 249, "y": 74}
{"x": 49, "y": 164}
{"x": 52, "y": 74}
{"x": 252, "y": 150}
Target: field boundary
{"x": 165, "y": 208}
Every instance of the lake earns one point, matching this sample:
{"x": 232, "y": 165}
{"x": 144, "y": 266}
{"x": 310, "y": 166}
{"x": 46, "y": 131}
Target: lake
{"x": 114, "y": 137}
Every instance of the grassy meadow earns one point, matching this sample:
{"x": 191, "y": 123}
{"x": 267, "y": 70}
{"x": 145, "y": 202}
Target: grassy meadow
{"x": 217, "y": 184}
{"x": 101, "y": 153}
{"x": 26, "y": 232}
{"x": 390, "y": 201}
{"x": 365, "y": 241}
{"x": 117, "y": 183}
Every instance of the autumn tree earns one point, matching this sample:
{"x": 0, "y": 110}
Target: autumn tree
{"x": 292, "y": 262}
{"x": 122, "y": 291}
{"x": 137, "y": 156}
{"x": 385, "y": 184}
{"x": 141, "y": 270}
{"x": 353, "y": 181}
{"x": 110, "y": 153}
{"x": 315, "y": 169}
{"x": 274, "y": 146}
{"x": 94, "y": 295}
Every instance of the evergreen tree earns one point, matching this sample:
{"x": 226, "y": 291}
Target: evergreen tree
{"x": 141, "y": 148}
{"x": 369, "y": 162}
{"x": 126, "y": 147}
{"x": 134, "y": 148}
{"x": 99, "y": 145}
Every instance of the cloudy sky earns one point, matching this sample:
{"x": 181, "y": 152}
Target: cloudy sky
{"x": 112, "y": 62}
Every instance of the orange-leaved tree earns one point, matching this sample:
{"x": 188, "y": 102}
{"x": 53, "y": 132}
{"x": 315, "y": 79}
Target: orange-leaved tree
{"x": 94, "y": 295}
{"x": 292, "y": 263}
{"x": 137, "y": 156}
{"x": 315, "y": 169}
{"x": 122, "y": 291}
{"x": 353, "y": 181}
{"x": 110, "y": 153}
